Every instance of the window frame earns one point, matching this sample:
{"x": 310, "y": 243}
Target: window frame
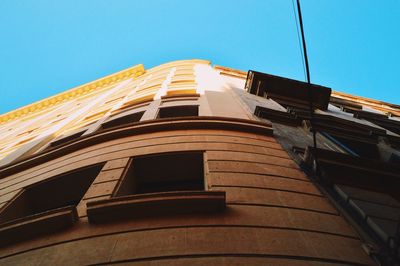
{"x": 161, "y": 109}
{"x": 33, "y": 223}
{"x": 162, "y": 203}
{"x": 130, "y": 168}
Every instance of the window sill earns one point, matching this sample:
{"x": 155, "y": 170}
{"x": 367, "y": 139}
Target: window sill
{"x": 155, "y": 204}
{"x": 36, "y": 225}
{"x": 357, "y": 172}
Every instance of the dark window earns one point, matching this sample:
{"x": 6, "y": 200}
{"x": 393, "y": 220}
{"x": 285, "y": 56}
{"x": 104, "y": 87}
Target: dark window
{"x": 162, "y": 173}
{"x": 66, "y": 139}
{"x": 394, "y": 158}
{"x": 61, "y": 191}
{"x": 353, "y": 147}
{"x": 178, "y": 111}
{"x": 132, "y": 118}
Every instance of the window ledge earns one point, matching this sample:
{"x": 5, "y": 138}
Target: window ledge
{"x": 36, "y": 225}
{"x": 357, "y": 172}
{"x": 291, "y": 92}
{"x": 155, "y": 204}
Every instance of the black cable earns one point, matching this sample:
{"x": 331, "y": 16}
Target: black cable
{"x": 310, "y": 94}
{"x": 298, "y": 39}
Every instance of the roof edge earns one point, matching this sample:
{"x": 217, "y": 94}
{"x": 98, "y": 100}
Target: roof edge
{"x": 73, "y": 93}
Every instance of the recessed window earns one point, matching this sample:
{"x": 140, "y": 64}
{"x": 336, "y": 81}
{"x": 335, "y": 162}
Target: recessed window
{"x": 157, "y": 185}
{"x": 162, "y": 173}
{"x": 66, "y": 139}
{"x": 127, "y": 119}
{"x": 394, "y": 158}
{"x": 178, "y": 111}
{"x": 61, "y": 191}
{"x": 354, "y": 147}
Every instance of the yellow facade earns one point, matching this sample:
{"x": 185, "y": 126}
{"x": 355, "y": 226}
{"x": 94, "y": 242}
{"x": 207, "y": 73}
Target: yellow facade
{"x": 51, "y": 117}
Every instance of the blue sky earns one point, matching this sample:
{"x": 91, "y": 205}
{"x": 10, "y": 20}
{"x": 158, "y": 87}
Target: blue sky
{"x": 49, "y": 46}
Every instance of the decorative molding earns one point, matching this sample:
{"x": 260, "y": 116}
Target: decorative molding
{"x": 227, "y": 71}
{"x": 143, "y": 127}
{"x": 155, "y": 204}
{"x": 74, "y": 93}
{"x": 375, "y": 104}
{"x": 36, "y": 225}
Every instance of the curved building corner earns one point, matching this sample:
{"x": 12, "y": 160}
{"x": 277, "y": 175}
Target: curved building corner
{"x": 191, "y": 164}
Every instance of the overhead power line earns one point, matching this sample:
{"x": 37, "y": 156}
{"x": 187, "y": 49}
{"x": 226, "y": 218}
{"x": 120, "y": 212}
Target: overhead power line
{"x": 298, "y": 39}
{"x": 310, "y": 93}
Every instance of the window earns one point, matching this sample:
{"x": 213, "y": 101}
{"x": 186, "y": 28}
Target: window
{"x": 353, "y": 147}
{"x": 159, "y": 184}
{"x": 394, "y": 158}
{"x": 65, "y": 139}
{"x": 178, "y": 111}
{"x": 132, "y": 118}
{"x": 61, "y": 191}
{"x": 162, "y": 173}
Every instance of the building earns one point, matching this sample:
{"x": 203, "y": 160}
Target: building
{"x": 190, "y": 164}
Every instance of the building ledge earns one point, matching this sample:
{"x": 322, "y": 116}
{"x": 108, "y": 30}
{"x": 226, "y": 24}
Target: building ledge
{"x": 340, "y": 168}
{"x": 155, "y": 204}
{"x": 36, "y": 225}
{"x": 278, "y": 116}
{"x": 150, "y": 126}
{"x": 325, "y": 123}
{"x": 287, "y": 91}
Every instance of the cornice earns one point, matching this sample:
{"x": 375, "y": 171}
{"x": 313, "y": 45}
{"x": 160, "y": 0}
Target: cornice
{"x": 73, "y": 93}
{"x": 227, "y": 71}
{"x": 379, "y": 105}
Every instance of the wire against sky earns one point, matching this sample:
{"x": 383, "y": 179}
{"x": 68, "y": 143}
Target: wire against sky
{"x": 48, "y": 47}
{"x": 298, "y": 38}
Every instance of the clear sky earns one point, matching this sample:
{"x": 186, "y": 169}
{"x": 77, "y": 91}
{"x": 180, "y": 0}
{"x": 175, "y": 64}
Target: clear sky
{"x": 49, "y": 46}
